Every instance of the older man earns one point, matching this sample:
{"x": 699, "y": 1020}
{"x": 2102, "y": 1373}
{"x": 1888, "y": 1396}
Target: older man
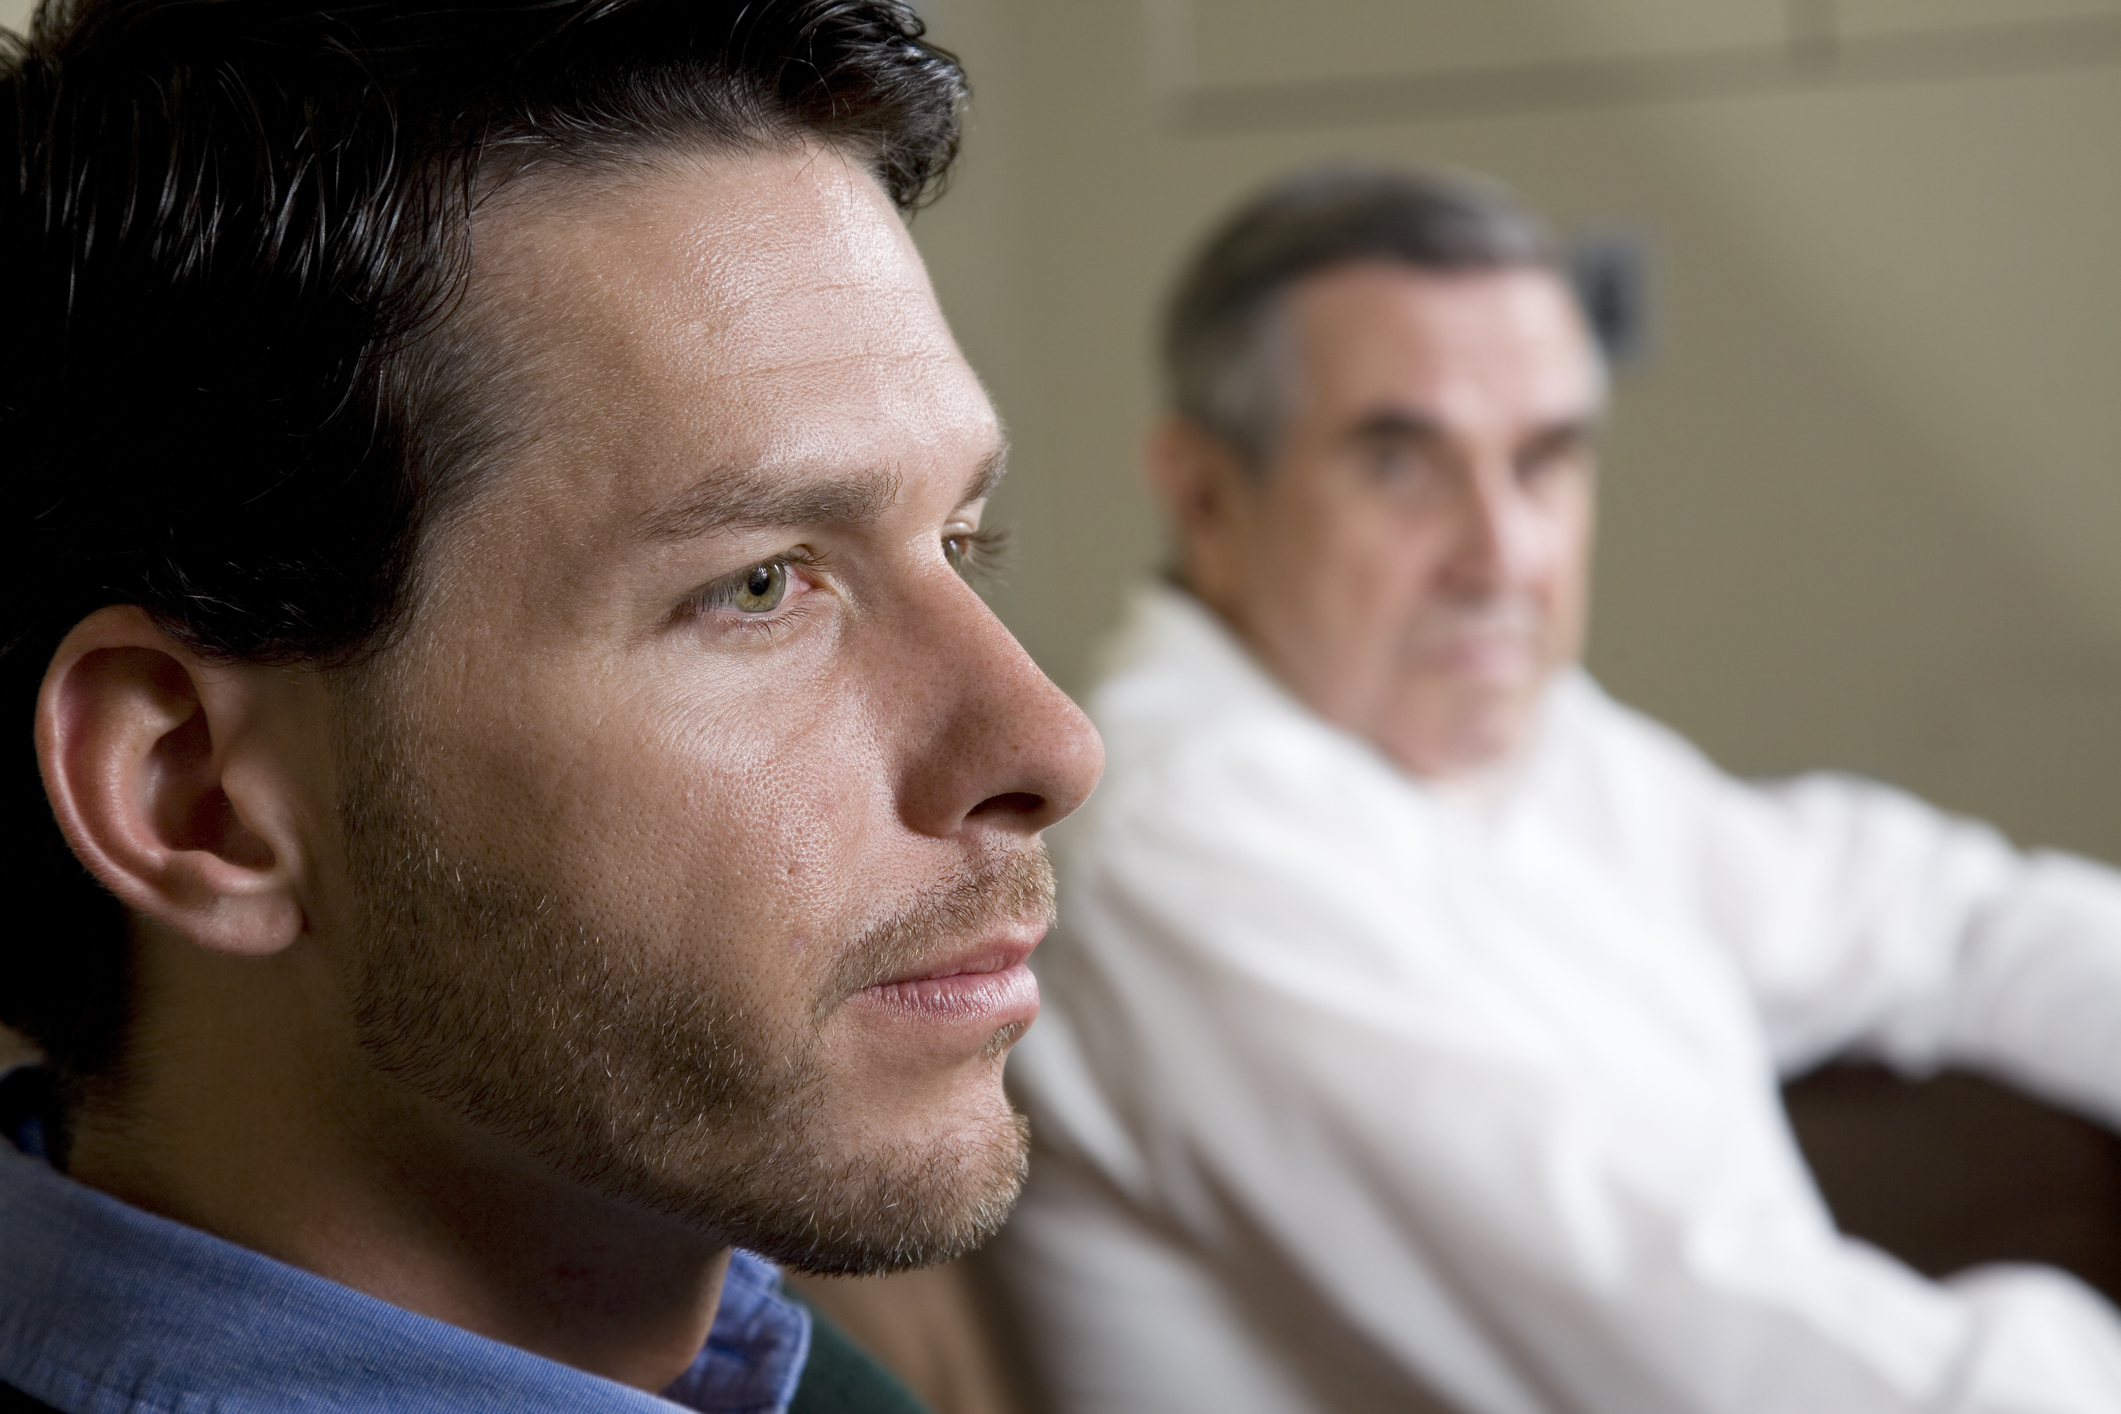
{"x": 486, "y": 494}
{"x": 1419, "y": 1008}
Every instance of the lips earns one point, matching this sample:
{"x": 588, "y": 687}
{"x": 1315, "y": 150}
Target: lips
{"x": 990, "y": 984}
{"x": 1495, "y": 640}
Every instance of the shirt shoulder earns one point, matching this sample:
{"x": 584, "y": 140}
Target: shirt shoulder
{"x": 106, "y": 1307}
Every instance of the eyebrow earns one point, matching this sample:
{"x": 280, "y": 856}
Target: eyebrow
{"x": 755, "y": 498}
{"x": 1394, "y": 423}
{"x": 1562, "y": 433}
{"x": 1412, "y": 426}
{"x": 987, "y": 475}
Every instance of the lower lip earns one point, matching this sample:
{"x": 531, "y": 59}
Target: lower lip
{"x": 1482, "y": 658}
{"x": 999, "y": 998}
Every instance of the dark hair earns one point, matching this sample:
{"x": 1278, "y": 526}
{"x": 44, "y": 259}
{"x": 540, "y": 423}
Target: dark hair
{"x": 1217, "y": 355}
{"x": 234, "y": 234}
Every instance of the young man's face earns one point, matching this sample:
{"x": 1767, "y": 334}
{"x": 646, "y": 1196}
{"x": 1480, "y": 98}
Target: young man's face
{"x": 689, "y": 842}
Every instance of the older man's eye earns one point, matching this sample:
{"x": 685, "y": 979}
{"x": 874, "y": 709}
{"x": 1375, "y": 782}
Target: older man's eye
{"x": 760, "y": 589}
{"x": 1397, "y": 463}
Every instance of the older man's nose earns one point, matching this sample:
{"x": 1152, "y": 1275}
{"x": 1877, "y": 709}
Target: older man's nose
{"x": 1500, "y": 538}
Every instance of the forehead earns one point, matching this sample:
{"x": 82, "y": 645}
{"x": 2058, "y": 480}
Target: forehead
{"x": 1501, "y": 342}
{"x": 761, "y": 312}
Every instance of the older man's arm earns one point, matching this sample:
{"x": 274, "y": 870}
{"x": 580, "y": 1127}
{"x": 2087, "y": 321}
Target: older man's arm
{"x": 1864, "y": 919}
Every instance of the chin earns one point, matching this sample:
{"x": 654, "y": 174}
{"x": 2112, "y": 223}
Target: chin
{"x": 843, "y": 1179}
{"x": 897, "y": 1206}
{"x": 1480, "y": 730}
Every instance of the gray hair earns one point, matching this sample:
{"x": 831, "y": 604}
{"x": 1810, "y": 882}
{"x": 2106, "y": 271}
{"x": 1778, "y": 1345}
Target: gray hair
{"x": 1228, "y": 357}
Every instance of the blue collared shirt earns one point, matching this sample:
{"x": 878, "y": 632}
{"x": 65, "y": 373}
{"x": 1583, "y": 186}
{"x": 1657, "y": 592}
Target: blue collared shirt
{"x": 105, "y": 1309}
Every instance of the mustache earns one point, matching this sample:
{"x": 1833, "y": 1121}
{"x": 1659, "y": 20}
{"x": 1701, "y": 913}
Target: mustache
{"x": 1501, "y": 616}
{"x": 1000, "y": 891}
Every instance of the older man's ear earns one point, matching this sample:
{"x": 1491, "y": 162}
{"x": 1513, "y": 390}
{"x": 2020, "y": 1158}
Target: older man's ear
{"x": 165, "y": 776}
{"x": 1208, "y": 500}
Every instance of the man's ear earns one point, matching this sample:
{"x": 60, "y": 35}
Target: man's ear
{"x": 163, "y": 774}
{"x": 1202, "y": 485}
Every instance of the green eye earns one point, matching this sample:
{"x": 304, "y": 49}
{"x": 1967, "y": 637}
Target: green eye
{"x": 760, "y": 589}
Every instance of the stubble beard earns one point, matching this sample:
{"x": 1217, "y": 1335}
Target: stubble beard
{"x": 605, "y": 1061}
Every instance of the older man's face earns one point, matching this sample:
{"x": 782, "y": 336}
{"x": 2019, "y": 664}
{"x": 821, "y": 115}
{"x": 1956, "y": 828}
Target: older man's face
{"x": 1414, "y": 564}
{"x": 688, "y": 846}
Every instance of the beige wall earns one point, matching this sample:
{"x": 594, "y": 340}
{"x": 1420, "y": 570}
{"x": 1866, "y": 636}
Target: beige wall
{"x": 1861, "y": 504}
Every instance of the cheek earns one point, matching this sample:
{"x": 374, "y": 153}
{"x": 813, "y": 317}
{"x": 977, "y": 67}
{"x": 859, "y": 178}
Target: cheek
{"x": 749, "y": 829}
{"x": 687, "y": 821}
{"x": 1566, "y": 554}
{"x": 1392, "y": 568}
{"x": 1323, "y": 560}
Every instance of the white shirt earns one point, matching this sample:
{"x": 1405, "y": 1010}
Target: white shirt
{"x": 1356, "y": 1093}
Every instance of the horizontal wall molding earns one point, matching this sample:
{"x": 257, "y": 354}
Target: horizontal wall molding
{"x": 1813, "y": 59}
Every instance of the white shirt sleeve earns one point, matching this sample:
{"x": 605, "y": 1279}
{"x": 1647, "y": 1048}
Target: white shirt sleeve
{"x": 1865, "y": 919}
{"x": 1295, "y": 1035}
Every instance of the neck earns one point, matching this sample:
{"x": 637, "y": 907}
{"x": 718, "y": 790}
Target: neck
{"x": 225, "y": 1117}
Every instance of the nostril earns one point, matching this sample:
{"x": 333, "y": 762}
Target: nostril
{"x": 1018, "y": 802}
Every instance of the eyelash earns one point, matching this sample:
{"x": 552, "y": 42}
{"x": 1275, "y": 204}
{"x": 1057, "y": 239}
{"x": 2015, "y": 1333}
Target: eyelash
{"x": 711, "y": 599}
{"x": 982, "y": 554}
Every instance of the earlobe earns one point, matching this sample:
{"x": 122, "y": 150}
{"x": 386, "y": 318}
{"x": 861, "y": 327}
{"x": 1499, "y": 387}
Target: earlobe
{"x": 163, "y": 783}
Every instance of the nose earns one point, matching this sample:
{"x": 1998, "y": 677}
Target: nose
{"x": 1501, "y": 540}
{"x": 991, "y": 744}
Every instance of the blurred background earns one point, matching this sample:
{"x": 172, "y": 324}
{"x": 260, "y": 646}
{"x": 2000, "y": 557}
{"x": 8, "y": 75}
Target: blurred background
{"x": 1861, "y": 501}
{"x": 1863, "y": 486}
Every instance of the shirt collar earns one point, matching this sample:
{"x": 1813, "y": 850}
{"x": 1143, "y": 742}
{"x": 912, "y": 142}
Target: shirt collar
{"x": 106, "y": 1309}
